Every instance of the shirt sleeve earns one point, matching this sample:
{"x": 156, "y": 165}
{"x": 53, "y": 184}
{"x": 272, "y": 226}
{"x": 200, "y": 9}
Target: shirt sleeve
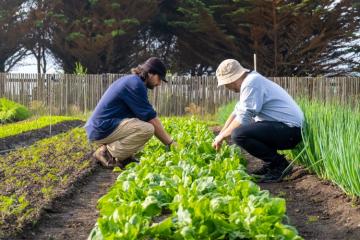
{"x": 137, "y": 100}
{"x": 250, "y": 104}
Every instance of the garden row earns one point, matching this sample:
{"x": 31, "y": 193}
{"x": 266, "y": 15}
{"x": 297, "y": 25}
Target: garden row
{"x": 30, "y": 178}
{"x": 11, "y": 129}
{"x": 330, "y": 142}
{"x": 190, "y": 192}
{"x": 330, "y": 146}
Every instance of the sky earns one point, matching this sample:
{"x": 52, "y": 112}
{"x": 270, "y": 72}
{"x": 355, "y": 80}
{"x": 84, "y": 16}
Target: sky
{"x": 28, "y": 65}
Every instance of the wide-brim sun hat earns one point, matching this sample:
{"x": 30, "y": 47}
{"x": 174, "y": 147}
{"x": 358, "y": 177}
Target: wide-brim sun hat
{"x": 229, "y": 71}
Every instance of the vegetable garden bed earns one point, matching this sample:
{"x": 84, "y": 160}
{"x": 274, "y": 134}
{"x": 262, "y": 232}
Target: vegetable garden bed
{"x": 191, "y": 192}
{"x": 25, "y": 133}
{"x": 32, "y": 177}
{"x": 316, "y": 208}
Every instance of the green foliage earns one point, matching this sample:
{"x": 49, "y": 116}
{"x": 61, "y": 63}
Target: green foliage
{"x": 11, "y": 111}
{"x": 74, "y": 36}
{"x": 330, "y": 146}
{"x": 80, "y": 69}
{"x": 24, "y": 126}
{"x": 117, "y": 32}
{"x": 224, "y": 112}
{"x": 130, "y": 21}
{"x": 190, "y": 192}
{"x": 32, "y": 177}
{"x": 109, "y": 22}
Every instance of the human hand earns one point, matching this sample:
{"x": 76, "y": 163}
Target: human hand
{"x": 172, "y": 144}
{"x": 217, "y": 142}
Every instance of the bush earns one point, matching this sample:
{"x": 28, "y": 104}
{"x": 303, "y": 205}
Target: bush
{"x": 12, "y": 112}
{"x": 224, "y": 111}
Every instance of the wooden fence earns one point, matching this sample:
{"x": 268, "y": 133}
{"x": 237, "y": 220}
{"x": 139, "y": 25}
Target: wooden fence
{"x": 66, "y": 94}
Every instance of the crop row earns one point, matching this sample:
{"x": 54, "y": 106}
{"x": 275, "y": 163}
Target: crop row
{"x": 30, "y": 178}
{"x": 330, "y": 146}
{"x": 11, "y": 129}
{"x": 190, "y": 192}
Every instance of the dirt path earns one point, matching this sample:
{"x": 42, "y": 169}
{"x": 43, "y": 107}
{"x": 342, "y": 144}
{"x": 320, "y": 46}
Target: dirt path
{"x": 318, "y": 209}
{"x": 74, "y": 216}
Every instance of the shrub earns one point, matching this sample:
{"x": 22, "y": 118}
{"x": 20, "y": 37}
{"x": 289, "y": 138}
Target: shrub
{"x": 11, "y": 111}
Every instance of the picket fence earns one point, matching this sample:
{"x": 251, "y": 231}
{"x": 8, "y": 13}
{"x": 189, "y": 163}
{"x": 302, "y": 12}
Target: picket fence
{"x": 66, "y": 93}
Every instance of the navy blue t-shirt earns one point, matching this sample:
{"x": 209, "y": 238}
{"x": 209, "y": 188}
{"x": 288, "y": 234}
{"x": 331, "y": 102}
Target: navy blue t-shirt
{"x": 125, "y": 98}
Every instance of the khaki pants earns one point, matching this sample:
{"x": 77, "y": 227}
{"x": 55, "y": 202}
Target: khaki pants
{"x": 128, "y": 138}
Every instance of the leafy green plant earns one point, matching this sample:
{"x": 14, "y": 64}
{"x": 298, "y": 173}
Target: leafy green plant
{"x": 190, "y": 192}
{"x": 80, "y": 69}
{"x": 11, "y": 111}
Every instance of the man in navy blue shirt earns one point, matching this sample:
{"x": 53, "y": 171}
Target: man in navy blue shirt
{"x": 124, "y": 120}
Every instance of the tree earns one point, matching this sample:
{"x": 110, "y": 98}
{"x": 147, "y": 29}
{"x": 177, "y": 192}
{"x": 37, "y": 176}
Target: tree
{"x": 196, "y": 43}
{"x": 11, "y": 34}
{"x": 296, "y": 37}
{"x": 39, "y": 20}
{"x": 99, "y": 34}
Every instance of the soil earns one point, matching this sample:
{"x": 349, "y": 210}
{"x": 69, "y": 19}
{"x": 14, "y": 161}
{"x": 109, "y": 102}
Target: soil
{"x": 317, "y": 208}
{"x": 73, "y": 215}
{"x": 30, "y": 137}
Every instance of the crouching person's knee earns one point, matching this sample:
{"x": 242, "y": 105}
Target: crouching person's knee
{"x": 238, "y": 136}
{"x": 148, "y": 130}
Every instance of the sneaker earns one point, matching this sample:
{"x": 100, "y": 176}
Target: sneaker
{"x": 103, "y": 156}
{"x": 122, "y": 164}
{"x": 275, "y": 175}
{"x": 261, "y": 171}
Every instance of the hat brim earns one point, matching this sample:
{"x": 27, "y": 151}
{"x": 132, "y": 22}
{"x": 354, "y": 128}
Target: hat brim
{"x": 232, "y": 78}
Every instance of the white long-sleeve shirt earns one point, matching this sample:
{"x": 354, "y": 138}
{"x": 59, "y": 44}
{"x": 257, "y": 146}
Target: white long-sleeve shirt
{"x": 263, "y": 100}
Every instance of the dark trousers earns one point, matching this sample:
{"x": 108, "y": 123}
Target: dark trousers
{"x": 263, "y": 139}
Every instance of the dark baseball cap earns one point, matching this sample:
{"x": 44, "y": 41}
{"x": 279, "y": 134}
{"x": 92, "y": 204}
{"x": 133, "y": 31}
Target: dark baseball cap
{"x": 155, "y": 65}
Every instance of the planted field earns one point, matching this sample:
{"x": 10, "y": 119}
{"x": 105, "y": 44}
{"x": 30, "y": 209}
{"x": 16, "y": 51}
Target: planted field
{"x": 11, "y": 129}
{"x": 331, "y": 144}
{"x": 190, "y": 193}
{"x": 32, "y": 177}
{"x": 25, "y": 133}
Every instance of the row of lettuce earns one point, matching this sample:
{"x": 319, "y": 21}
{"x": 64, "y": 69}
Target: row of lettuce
{"x": 190, "y": 192}
{"x": 330, "y": 145}
{"x": 30, "y": 178}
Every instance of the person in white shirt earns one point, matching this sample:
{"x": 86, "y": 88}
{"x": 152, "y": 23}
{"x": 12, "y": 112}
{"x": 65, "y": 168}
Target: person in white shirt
{"x": 265, "y": 119}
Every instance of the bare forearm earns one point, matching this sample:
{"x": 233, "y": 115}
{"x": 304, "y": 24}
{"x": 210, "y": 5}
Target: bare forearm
{"x": 160, "y": 132}
{"x": 228, "y": 122}
{"x": 230, "y": 128}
